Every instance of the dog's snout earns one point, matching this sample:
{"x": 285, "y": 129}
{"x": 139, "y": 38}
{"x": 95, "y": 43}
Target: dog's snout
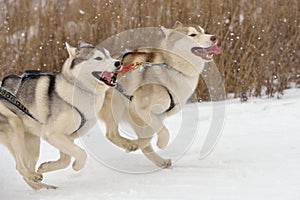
{"x": 213, "y": 38}
{"x": 117, "y": 64}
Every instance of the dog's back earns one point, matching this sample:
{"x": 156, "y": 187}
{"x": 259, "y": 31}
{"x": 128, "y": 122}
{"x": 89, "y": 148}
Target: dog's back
{"x": 11, "y": 83}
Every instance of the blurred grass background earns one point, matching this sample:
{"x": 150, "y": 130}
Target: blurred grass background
{"x": 259, "y": 38}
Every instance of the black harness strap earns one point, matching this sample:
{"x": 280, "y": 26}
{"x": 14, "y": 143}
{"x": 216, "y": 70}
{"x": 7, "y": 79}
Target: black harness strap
{"x": 12, "y": 99}
{"x": 83, "y": 119}
{"x": 120, "y": 89}
{"x": 172, "y": 103}
{"x": 37, "y": 73}
{"x": 52, "y": 75}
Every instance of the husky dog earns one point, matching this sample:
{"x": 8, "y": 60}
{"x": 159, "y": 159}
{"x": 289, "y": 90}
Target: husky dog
{"x": 65, "y": 105}
{"x": 158, "y": 90}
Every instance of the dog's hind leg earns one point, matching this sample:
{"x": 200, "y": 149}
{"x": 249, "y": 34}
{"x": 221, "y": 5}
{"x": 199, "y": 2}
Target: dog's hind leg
{"x": 33, "y": 179}
{"x": 32, "y": 143}
{"x": 22, "y": 168}
{"x": 18, "y": 148}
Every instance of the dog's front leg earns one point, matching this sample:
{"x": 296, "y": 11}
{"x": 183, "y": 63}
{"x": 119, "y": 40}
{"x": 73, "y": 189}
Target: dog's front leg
{"x": 65, "y": 145}
{"x": 144, "y": 134}
{"x": 112, "y": 131}
{"x": 62, "y": 163}
{"x": 65, "y": 156}
{"x": 145, "y": 118}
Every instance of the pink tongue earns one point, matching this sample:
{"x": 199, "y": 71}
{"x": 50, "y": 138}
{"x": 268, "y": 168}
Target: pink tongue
{"x": 107, "y": 75}
{"x": 215, "y": 49}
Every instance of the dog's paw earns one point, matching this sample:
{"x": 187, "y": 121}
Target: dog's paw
{"x": 33, "y": 177}
{"x": 39, "y": 186}
{"x": 130, "y": 146}
{"x": 43, "y": 168}
{"x": 36, "y": 177}
{"x": 49, "y": 187}
{"x": 78, "y": 164}
{"x": 165, "y": 163}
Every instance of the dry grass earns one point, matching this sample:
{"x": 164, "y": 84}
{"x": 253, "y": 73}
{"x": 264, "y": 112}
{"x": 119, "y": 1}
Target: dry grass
{"x": 260, "y": 39}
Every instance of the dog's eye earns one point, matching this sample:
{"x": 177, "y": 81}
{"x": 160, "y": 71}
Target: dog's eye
{"x": 193, "y": 35}
{"x": 98, "y": 58}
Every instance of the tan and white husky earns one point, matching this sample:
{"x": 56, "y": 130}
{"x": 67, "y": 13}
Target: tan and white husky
{"x": 159, "y": 89}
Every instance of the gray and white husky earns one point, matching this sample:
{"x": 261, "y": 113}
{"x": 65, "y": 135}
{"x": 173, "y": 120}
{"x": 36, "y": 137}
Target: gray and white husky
{"x": 159, "y": 89}
{"x": 64, "y": 104}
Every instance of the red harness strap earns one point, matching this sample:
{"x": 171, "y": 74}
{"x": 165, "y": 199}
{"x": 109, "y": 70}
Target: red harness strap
{"x": 127, "y": 68}
{"x": 131, "y": 66}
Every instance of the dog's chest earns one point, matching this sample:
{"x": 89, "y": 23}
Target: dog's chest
{"x": 182, "y": 86}
{"x": 88, "y": 103}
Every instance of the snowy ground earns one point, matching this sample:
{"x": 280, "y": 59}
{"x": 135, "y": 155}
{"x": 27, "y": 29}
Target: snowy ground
{"x": 257, "y": 157}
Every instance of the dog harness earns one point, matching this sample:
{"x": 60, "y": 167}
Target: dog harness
{"x": 12, "y": 99}
{"x": 52, "y": 75}
{"x": 140, "y": 66}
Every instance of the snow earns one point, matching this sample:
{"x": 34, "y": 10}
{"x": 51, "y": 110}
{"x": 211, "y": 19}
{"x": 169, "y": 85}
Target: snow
{"x": 257, "y": 157}
{"x": 241, "y": 18}
{"x": 81, "y": 12}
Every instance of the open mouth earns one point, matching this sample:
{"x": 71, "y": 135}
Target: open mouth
{"x": 109, "y": 78}
{"x": 206, "y": 53}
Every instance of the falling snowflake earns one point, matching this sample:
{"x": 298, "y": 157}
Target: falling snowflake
{"x": 81, "y": 12}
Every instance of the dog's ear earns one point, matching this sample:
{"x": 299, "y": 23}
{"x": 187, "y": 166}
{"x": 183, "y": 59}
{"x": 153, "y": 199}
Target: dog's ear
{"x": 178, "y": 25}
{"x": 71, "y": 50}
{"x": 82, "y": 44}
{"x": 165, "y": 31}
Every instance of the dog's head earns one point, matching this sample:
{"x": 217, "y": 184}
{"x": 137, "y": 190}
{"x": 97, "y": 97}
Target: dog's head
{"x": 88, "y": 60}
{"x": 206, "y": 43}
